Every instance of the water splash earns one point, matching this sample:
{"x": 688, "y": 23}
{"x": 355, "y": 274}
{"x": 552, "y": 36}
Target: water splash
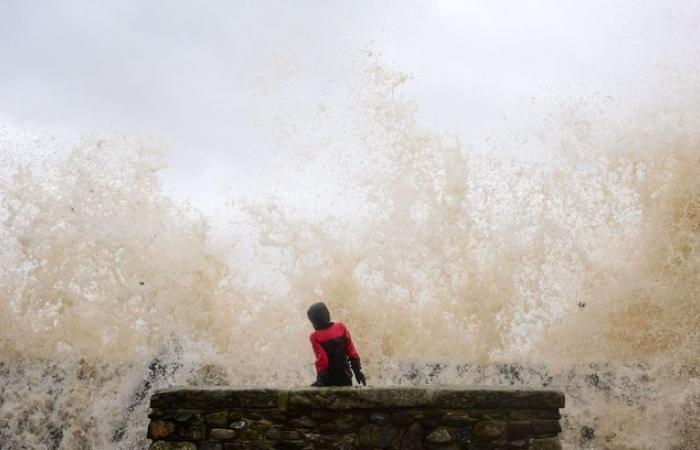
{"x": 577, "y": 269}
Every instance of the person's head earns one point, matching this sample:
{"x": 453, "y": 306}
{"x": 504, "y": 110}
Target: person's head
{"x": 319, "y": 316}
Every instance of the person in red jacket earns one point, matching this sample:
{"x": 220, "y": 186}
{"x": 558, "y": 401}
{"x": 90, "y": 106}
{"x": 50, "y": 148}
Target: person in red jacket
{"x": 335, "y": 353}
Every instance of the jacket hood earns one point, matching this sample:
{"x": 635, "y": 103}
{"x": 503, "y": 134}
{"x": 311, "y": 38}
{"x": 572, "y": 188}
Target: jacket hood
{"x": 319, "y": 316}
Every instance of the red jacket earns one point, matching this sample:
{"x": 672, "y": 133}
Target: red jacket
{"x": 334, "y": 352}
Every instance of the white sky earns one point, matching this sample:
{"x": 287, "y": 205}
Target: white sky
{"x": 198, "y": 75}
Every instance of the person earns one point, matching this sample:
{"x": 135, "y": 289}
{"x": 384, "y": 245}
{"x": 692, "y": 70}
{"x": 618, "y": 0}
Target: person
{"x": 335, "y": 352}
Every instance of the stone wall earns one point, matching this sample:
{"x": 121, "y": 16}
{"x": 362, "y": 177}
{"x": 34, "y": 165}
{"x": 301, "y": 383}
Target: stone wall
{"x": 419, "y": 417}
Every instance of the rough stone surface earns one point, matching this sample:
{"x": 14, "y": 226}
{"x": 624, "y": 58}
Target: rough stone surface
{"x": 489, "y": 429}
{"x": 220, "y": 434}
{"x": 159, "y": 429}
{"x": 545, "y": 444}
{"x": 165, "y": 445}
{"x": 407, "y": 418}
{"x": 439, "y": 436}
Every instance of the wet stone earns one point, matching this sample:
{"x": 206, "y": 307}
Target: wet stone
{"x": 221, "y": 434}
{"x": 158, "y": 429}
{"x": 217, "y": 418}
{"x": 489, "y": 429}
{"x": 163, "y": 445}
{"x": 439, "y": 436}
{"x": 520, "y": 443}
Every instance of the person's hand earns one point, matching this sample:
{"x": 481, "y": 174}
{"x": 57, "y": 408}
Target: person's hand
{"x": 356, "y": 366}
{"x": 360, "y": 377}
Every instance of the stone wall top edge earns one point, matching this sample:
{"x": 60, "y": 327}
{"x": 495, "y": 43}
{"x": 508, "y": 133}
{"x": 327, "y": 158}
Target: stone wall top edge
{"x": 425, "y": 396}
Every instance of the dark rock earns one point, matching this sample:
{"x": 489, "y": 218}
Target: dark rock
{"x": 165, "y": 445}
{"x": 529, "y": 414}
{"x": 302, "y": 422}
{"x": 412, "y": 439}
{"x": 457, "y": 419}
{"x": 217, "y": 418}
{"x": 247, "y": 435}
{"x": 546, "y": 428}
{"x": 289, "y": 445}
{"x": 463, "y": 437}
{"x": 401, "y": 418}
{"x": 545, "y": 444}
{"x": 259, "y": 425}
{"x": 208, "y": 446}
{"x": 489, "y": 429}
{"x": 377, "y": 437}
{"x": 439, "y": 436}
{"x": 277, "y": 434}
{"x": 488, "y": 414}
{"x": 221, "y": 434}
{"x": 239, "y": 424}
{"x": 194, "y": 433}
{"x": 519, "y": 430}
{"x": 379, "y": 418}
{"x": 158, "y": 429}
{"x": 520, "y": 443}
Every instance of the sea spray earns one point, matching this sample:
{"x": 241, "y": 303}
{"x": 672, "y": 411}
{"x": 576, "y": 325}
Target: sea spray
{"x": 577, "y": 269}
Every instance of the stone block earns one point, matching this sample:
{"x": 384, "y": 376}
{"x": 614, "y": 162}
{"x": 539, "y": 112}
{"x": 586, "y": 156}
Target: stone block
{"x": 489, "y": 429}
{"x": 222, "y": 434}
{"x": 463, "y": 437}
{"x": 217, "y": 418}
{"x": 377, "y": 437}
{"x": 165, "y": 445}
{"x": 277, "y": 434}
{"x": 519, "y": 430}
{"x": 545, "y": 428}
{"x": 529, "y": 414}
{"x": 457, "y": 419}
{"x": 209, "y": 446}
{"x": 545, "y": 444}
{"x": 439, "y": 435}
{"x": 413, "y": 438}
{"x": 159, "y": 429}
{"x": 240, "y": 424}
{"x": 380, "y": 418}
{"x": 302, "y": 422}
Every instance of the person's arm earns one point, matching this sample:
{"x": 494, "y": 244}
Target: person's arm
{"x": 354, "y": 357}
{"x": 321, "y": 362}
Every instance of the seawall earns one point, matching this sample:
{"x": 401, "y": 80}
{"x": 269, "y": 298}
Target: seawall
{"x": 399, "y": 417}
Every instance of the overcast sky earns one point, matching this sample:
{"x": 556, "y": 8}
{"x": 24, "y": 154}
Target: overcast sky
{"x": 197, "y": 75}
